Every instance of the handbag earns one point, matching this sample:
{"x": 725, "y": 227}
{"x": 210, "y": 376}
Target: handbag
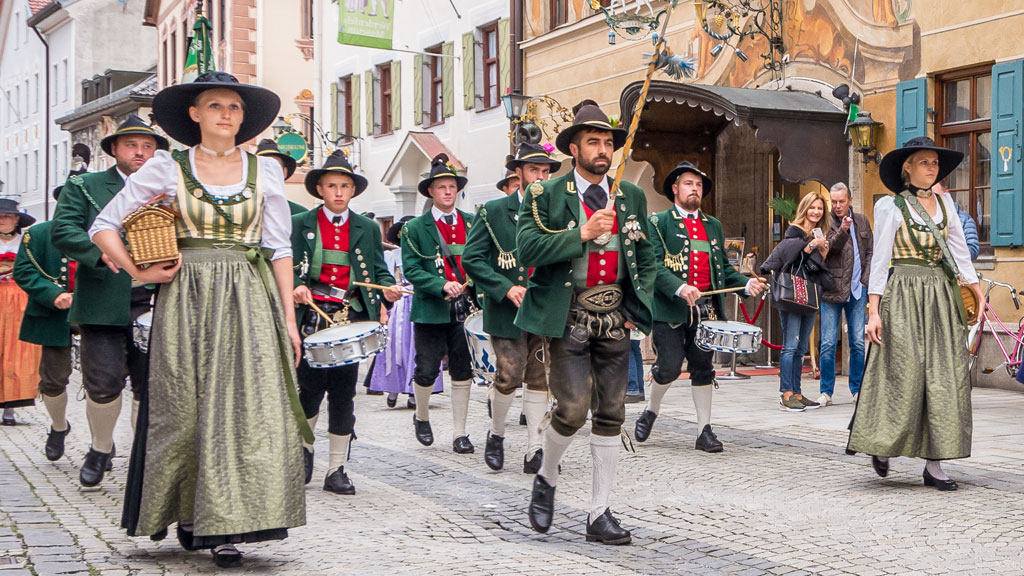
{"x": 462, "y": 305}
{"x": 792, "y": 292}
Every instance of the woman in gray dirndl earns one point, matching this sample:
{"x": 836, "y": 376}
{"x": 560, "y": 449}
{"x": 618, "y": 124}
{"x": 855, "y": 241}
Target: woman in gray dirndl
{"x": 220, "y": 452}
{"x": 916, "y": 399}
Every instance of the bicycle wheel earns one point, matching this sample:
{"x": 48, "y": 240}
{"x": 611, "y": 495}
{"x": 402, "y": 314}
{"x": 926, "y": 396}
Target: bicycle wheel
{"x": 1018, "y": 352}
{"x": 973, "y": 348}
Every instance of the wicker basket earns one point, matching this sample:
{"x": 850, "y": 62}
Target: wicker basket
{"x": 150, "y": 234}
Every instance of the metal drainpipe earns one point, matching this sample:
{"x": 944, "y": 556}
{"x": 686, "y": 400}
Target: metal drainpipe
{"x": 46, "y": 127}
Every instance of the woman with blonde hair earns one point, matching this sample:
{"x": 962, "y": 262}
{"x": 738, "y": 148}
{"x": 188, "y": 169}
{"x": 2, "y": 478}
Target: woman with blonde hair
{"x": 802, "y": 252}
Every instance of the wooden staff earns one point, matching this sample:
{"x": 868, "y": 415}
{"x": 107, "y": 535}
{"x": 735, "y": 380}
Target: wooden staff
{"x": 378, "y": 287}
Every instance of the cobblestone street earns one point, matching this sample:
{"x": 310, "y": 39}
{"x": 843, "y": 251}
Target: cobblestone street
{"x": 782, "y": 499}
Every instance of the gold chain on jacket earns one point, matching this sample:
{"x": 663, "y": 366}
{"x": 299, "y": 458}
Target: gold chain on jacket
{"x": 438, "y": 261}
{"x": 506, "y": 259}
{"x": 536, "y": 190}
{"x": 32, "y": 259}
{"x": 675, "y": 262}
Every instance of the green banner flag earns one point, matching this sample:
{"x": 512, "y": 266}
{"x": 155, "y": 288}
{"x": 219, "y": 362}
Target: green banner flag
{"x": 199, "y": 59}
{"x": 366, "y": 23}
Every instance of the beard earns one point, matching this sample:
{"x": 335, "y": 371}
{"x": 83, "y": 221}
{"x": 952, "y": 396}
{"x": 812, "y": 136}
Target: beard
{"x": 128, "y": 166}
{"x": 590, "y": 165}
{"x": 691, "y": 203}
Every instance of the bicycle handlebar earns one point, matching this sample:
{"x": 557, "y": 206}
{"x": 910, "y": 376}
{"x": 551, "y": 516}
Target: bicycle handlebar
{"x": 1010, "y": 287}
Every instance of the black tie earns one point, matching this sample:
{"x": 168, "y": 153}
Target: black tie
{"x": 691, "y": 216}
{"x": 449, "y": 219}
{"x": 336, "y": 220}
{"x": 594, "y": 197}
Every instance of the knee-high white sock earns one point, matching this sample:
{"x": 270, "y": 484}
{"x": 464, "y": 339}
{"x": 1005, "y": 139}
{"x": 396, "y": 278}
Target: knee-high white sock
{"x": 555, "y": 446}
{"x": 500, "y": 405}
{"x": 135, "y": 413}
{"x": 57, "y": 408}
{"x": 338, "y": 451}
{"x": 605, "y": 452}
{"x": 102, "y": 419}
{"x": 312, "y": 428}
{"x": 422, "y": 395}
{"x": 460, "y": 406}
{"x": 702, "y": 403}
{"x": 657, "y": 393}
{"x": 535, "y": 406}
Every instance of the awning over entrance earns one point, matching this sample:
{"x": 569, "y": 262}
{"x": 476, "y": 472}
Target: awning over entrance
{"x": 807, "y": 130}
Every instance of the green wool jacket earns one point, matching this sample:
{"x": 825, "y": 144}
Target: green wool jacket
{"x": 669, "y": 233}
{"x": 101, "y": 296}
{"x": 364, "y": 249}
{"x": 497, "y": 217}
{"x": 42, "y": 272}
{"x": 550, "y": 290}
{"x": 420, "y": 250}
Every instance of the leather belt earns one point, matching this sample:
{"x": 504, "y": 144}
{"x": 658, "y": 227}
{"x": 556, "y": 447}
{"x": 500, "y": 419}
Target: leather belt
{"x": 601, "y": 298}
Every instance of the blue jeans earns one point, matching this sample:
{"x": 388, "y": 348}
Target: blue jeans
{"x": 830, "y": 314}
{"x": 636, "y": 370}
{"x": 796, "y": 341}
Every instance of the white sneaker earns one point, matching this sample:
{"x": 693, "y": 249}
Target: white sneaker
{"x": 855, "y": 397}
{"x": 825, "y": 400}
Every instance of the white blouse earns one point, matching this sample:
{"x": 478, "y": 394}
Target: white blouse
{"x": 160, "y": 176}
{"x": 889, "y": 219}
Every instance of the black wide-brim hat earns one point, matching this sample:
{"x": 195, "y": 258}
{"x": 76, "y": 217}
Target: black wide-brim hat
{"x": 504, "y": 181}
{"x": 395, "y": 229}
{"x": 10, "y": 206}
{"x": 133, "y": 125}
{"x": 890, "y": 171}
{"x": 170, "y": 107}
{"x": 685, "y": 166}
{"x": 588, "y": 116}
{"x": 532, "y": 154}
{"x": 440, "y": 167}
{"x": 337, "y": 163}
{"x": 268, "y": 147}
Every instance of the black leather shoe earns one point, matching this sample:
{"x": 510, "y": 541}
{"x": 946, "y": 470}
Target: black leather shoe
{"x": 494, "y": 452}
{"x": 522, "y": 419}
{"x": 462, "y": 445}
{"x": 542, "y": 504}
{"x": 339, "y": 483}
{"x": 424, "y": 434}
{"x": 410, "y": 403}
{"x": 532, "y": 465}
{"x": 185, "y": 538}
{"x": 307, "y": 459}
{"x": 392, "y": 400}
{"x": 606, "y": 530}
{"x": 946, "y": 485}
{"x": 374, "y": 392}
{"x": 9, "y": 421}
{"x": 55, "y": 443}
{"x": 882, "y": 468}
{"x": 95, "y": 465}
{"x": 707, "y": 441}
{"x": 644, "y": 424}
{"x": 227, "y": 557}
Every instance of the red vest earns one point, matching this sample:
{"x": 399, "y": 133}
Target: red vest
{"x": 700, "y": 262}
{"x": 453, "y": 235}
{"x": 332, "y": 238}
{"x": 603, "y": 265}
{"x": 72, "y": 268}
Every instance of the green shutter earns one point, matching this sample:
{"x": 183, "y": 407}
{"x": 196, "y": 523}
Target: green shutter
{"x": 355, "y": 92}
{"x": 448, "y": 79}
{"x": 1007, "y": 218}
{"x": 468, "y": 71}
{"x": 370, "y": 128}
{"x": 417, "y": 90}
{"x": 911, "y": 110}
{"x": 504, "y": 58}
{"x": 396, "y": 95}
{"x": 334, "y": 107}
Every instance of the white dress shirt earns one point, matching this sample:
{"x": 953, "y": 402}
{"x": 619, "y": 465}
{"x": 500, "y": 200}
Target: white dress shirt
{"x": 582, "y": 184}
{"x": 332, "y": 215}
{"x": 686, "y": 214}
{"x": 437, "y": 214}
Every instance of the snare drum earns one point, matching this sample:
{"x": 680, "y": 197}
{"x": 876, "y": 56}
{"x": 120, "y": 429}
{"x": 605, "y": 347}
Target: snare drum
{"x": 480, "y": 350}
{"x": 725, "y": 336}
{"x": 140, "y": 331}
{"x": 345, "y": 344}
{"x": 76, "y": 352}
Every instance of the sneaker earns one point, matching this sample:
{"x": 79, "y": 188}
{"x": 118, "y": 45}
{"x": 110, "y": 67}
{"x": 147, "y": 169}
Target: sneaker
{"x": 855, "y": 397}
{"x": 791, "y": 404}
{"x": 809, "y": 404}
{"x": 825, "y": 400}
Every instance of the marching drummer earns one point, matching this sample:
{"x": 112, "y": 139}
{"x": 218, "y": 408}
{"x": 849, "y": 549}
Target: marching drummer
{"x": 690, "y": 254}
{"x": 490, "y": 259}
{"x": 333, "y": 248}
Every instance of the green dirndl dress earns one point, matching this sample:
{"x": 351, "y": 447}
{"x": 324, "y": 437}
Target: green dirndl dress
{"x": 915, "y": 399}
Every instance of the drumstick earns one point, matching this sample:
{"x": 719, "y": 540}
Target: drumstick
{"x": 464, "y": 284}
{"x": 378, "y": 286}
{"x": 724, "y": 290}
{"x": 316, "y": 308}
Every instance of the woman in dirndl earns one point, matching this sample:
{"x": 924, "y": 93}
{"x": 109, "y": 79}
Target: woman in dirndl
{"x": 220, "y": 453}
{"x": 19, "y": 361}
{"x": 916, "y": 399}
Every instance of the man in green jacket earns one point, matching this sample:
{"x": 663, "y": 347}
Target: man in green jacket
{"x": 432, "y": 248}
{"x": 491, "y": 262}
{"x": 105, "y": 303}
{"x": 593, "y": 282}
{"x": 689, "y": 248}
{"x": 335, "y": 247}
{"x": 48, "y": 277}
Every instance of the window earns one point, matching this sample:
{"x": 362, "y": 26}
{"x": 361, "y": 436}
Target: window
{"x": 383, "y": 105}
{"x": 35, "y": 170}
{"x": 24, "y": 172}
{"x": 35, "y": 93}
{"x": 434, "y": 91}
{"x": 172, "y": 73}
{"x": 307, "y": 19}
{"x": 13, "y": 186}
{"x": 559, "y": 11}
{"x": 17, "y": 29}
{"x": 964, "y": 104}
{"x": 17, "y": 101}
{"x": 222, "y": 13}
{"x": 64, "y": 81}
{"x": 53, "y": 162}
{"x": 55, "y": 83}
{"x": 489, "y": 64}
{"x": 28, "y": 96}
{"x": 345, "y": 105}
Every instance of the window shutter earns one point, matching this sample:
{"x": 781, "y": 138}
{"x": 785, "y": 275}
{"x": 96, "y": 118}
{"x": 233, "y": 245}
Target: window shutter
{"x": 370, "y": 128}
{"x": 468, "y": 80}
{"x": 911, "y": 110}
{"x": 334, "y": 108}
{"x": 417, "y": 90}
{"x": 1007, "y": 109}
{"x": 448, "y": 79}
{"x": 396, "y": 95}
{"x": 354, "y": 91}
{"x": 504, "y": 58}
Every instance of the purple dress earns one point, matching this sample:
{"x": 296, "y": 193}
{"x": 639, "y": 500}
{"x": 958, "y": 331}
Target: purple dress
{"x": 393, "y": 368}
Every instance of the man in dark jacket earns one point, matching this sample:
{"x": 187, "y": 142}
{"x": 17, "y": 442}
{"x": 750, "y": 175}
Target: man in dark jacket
{"x": 849, "y": 262}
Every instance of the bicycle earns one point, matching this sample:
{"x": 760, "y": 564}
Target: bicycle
{"x": 976, "y": 334}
